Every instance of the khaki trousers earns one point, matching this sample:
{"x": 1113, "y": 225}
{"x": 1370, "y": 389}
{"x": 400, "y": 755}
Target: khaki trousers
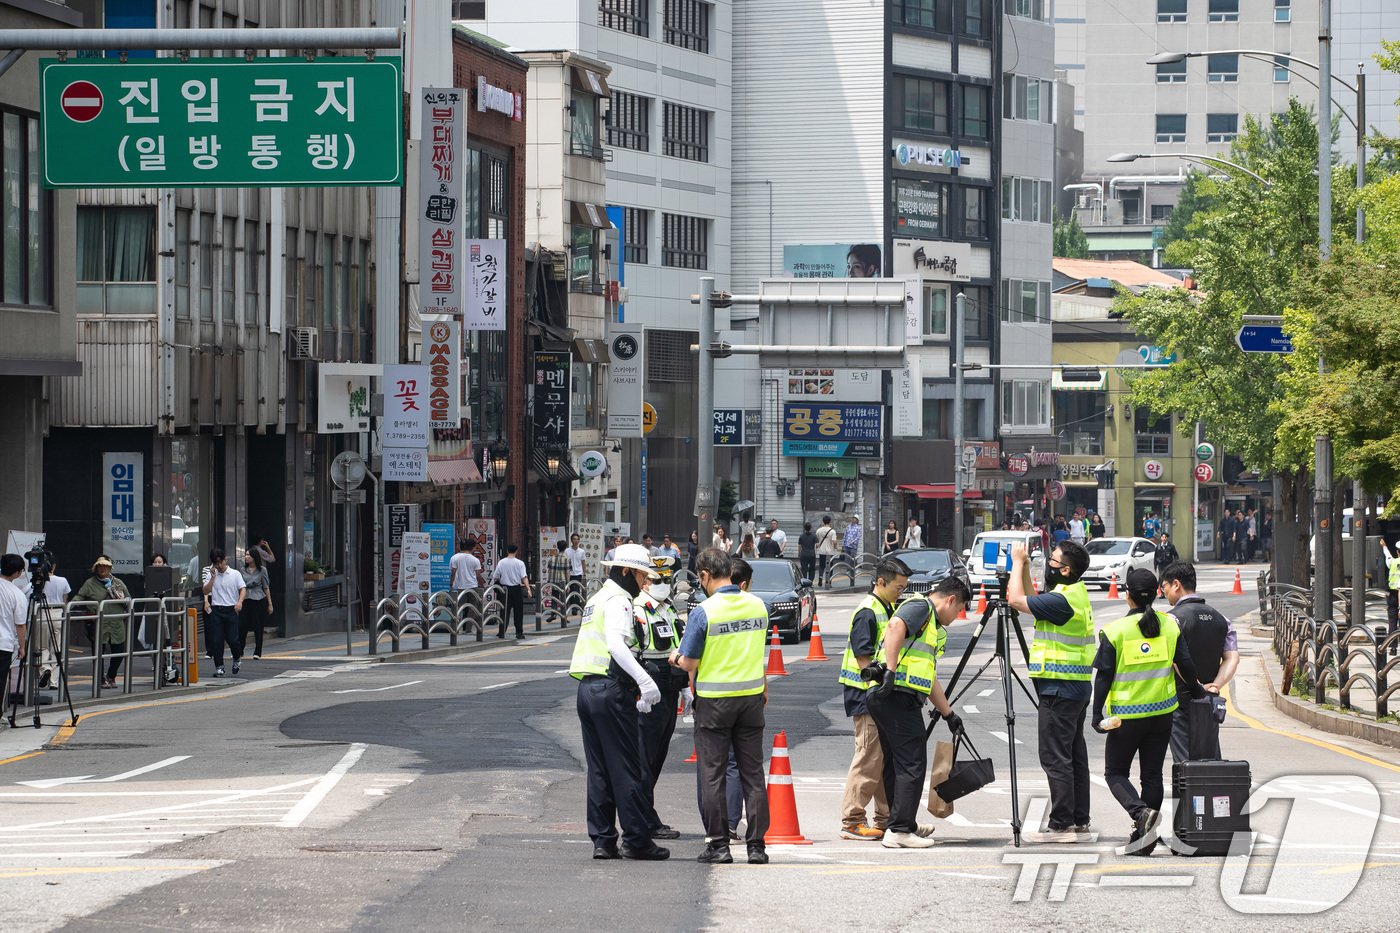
{"x": 866, "y": 779}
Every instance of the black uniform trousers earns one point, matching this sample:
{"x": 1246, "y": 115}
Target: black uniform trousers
{"x": 1064, "y": 756}
{"x": 616, "y": 779}
{"x": 1146, "y": 739}
{"x": 722, "y": 724}
{"x": 515, "y": 609}
{"x": 900, "y": 722}
{"x": 654, "y": 731}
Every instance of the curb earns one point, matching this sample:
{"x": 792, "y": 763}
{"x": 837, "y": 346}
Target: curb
{"x": 109, "y": 699}
{"x": 445, "y": 651}
{"x": 1325, "y": 720}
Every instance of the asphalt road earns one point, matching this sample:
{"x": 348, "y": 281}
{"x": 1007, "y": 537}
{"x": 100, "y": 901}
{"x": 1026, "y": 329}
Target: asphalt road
{"x": 333, "y": 795}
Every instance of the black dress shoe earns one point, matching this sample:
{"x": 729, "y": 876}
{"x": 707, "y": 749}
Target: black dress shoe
{"x": 653, "y": 853}
{"x": 715, "y": 855}
{"x": 605, "y": 852}
{"x": 757, "y": 855}
{"x": 665, "y": 832}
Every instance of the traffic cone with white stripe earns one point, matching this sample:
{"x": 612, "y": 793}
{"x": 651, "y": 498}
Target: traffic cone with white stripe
{"x": 1113, "y": 587}
{"x": 775, "y": 657}
{"x": 783, "y": 828}
{"x": 982, "y": 599}
{"x": 1237, "y": 590}
{"x": 816, "y": 651}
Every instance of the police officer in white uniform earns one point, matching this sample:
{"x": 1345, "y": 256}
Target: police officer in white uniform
{"x": 659, "y": 629}
{"x": 610, "y": 682}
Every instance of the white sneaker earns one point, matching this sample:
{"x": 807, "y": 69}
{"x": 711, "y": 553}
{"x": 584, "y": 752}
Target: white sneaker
{"x": 925, "y": 830}
{"x": 1054, "y": 837}
{"x": 906, "y": 841}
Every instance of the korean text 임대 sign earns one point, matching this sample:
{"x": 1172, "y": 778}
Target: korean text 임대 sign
{"x": 803, "y": 421}
{"x": 123, "y": 510}
{"x": 486, "y": 286}
{"x": 441, "y": 276}
{"x": 221, "y": 122}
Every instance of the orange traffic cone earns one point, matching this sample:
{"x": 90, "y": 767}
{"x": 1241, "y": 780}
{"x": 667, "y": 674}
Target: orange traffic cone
{"x": 816, "y": 651}
{"x": 692, "y": 755}
{"x": 775, "y": 657}
{"x": 1035, "y": 586}
{"x": 1237, "y": 590}
{"x": 982, "y": 599}
{"x": 1113, "y": 587}
{"x": 962, "y": 614}
{"x": 782, "y": 802}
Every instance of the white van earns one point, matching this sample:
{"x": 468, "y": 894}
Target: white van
{"x": 982, "y": 574}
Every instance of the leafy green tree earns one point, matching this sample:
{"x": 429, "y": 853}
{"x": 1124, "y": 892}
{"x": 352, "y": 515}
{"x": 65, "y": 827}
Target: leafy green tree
{"x": 1197, "y": 195}
{"x": 1070, "y": 241}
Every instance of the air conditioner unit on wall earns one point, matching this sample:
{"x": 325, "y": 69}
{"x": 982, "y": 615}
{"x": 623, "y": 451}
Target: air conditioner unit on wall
{"x": 304, "y": 343}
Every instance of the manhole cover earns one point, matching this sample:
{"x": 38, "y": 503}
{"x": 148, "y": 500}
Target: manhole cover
{"x": 93, "y": 746}
{"x": 371, "y": 847}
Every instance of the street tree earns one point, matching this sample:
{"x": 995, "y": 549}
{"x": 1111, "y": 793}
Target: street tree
{"x": 1246, "y": 249}
{"x": 1070, "y": 241}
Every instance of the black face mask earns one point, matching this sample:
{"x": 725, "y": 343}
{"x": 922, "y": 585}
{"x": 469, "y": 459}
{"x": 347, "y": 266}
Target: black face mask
{"x": 1054, "y": 576}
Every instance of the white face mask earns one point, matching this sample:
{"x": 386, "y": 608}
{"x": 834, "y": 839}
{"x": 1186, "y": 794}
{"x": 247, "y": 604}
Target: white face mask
{"x": 659, "y": 591}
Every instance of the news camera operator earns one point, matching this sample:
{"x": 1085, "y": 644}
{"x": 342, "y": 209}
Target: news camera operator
{"x": 1061, "y": 665}
{"x": 13, "y": 612}
{"x": 908, "y": 679}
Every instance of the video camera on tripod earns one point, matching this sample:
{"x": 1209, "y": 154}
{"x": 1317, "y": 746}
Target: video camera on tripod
{"x": 39, "y": 563}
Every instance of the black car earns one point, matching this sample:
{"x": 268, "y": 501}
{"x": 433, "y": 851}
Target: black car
{"x": 791, "y": 602}
{"x": 930, "y": 565}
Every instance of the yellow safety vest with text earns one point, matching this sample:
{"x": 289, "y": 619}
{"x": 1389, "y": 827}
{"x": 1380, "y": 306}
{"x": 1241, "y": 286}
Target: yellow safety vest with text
{"x": 731, "y": 663}
{"x": 850, "y": 671}
{"x": 1065, "y": 652}
{"x": 918, "y": 659}
{"x": 591, "y": 655}
{"x": 659, "y": 625}
{"x": 1143, "y": 683}
{"x": 1392, "y": 565}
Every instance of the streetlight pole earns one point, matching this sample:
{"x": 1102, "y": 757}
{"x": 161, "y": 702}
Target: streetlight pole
{"x": 706, "y": 497}
{"x": 959, "y": 322}
{"x": 1322, "y": 447}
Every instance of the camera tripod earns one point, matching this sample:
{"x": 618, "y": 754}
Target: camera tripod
{"x": 38, "y": 615}
{"x": 1007, "y": 622}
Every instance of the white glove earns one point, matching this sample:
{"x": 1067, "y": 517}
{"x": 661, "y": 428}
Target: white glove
{"x": 687, "y": 701}
{"x": 643, "y": 706}
{"x": 651, "y": 694}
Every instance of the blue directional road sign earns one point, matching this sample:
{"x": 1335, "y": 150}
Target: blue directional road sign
{"x": 1263, "y": 338}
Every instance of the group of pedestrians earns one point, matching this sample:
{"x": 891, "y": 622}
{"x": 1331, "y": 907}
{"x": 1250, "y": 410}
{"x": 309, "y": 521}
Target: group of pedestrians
{"x": 627, "y": 699}
{"x": 1244, "y": 535}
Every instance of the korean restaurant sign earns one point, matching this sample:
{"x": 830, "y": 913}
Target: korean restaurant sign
{"x": 441, "y": 266}
{"x": 221, "y": 122}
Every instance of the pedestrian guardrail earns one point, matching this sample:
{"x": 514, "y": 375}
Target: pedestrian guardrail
{"x": 842, "y": 565}
{"x": 1349, "y": 656}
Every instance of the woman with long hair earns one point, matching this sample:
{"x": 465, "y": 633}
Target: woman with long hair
{"x": 257, "y": 603}
{"x": 748, "y": 550}
{"x": 891, "y": 539}
{"x": 1140, "y": 658}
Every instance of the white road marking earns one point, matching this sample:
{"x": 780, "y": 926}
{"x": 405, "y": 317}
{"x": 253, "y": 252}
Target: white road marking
{"x": 1097, "y": 779}
{"x": 508, "y": 683}
{"x": 88, "y": 778}
{"x": 378, "y": 689}
{"x": 986, "y": 693}
{"x": 292, "y": 675}
{"x": 1338, "y": 805}
{"x": 1003, "y": 737}
{"x": 312, "y": 800}
{"x": 1147, "y": 881}
{"x": 971, "y": 709}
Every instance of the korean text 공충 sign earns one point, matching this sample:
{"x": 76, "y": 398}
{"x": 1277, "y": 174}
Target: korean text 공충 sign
{"x": 816, "y": 422}
{"x": 221, "y": 122}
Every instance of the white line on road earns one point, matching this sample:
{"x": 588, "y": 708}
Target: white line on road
{"x": 88, "y": 778}
{"x": 1003, "y": 737}
{"x": 313, "y": 798}
{"x": 378, "y": 689}
{"x": 986, "y": 693}
{"x": 1338, "y": 805}
{"x": 1147, "y": 881}
{"x": 1097, "y": 779}
{"x": 971, "y": 709}
{"x": 508, "y": 683}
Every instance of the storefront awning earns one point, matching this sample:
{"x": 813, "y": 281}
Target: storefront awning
{"x": 584, "y": 214}
{"x": 590, "y": 350}
{"x": 453, "y": 472}
{"x": 937, "y": 491}
{"x": 540, "y": 461}
{"x": 585, "y": 79}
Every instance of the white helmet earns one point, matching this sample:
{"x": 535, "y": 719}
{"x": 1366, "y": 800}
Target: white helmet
{"x": 633, "y": 557}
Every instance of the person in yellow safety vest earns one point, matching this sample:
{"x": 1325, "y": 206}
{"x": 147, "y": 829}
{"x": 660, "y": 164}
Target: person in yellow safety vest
{"x": 1392, "y": 586}
{"x": 907, "y": 680}
{"x": 1138, "y": 661}
{"x": 865, "y": 781}
{"x": 610, "y": 679}
{"x": 1060, "y": 666}
{"x": 660, "y": 631}
{"x": 723, "y": 648}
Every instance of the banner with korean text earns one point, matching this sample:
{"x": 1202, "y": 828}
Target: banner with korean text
{"x": 442, "y": 372}
{"x": 123, "y": 510}
{"x": 405, "y": 427}
{"x": 486, "y": 286}
{"x": 441, "y": 275}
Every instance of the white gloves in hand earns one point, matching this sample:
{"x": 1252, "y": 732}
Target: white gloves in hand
{"x": 687, "y": 701}
{"x": 651, "y": 694}
{"x": 643, "y": 706}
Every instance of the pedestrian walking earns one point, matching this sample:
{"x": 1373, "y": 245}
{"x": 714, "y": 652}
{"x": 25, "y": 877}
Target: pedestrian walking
{"x": 1096, "y": 526}
{"x": 913, "y": 534}
{"x": 1226, "y": 535}
{"x": 767, "y": 547}
{"x": 807, "y": 552}
{"x": 112, "y": 624}
{"x": 1251, "y": 534}
{"x": 257, "y": 602}
{"x": 826, "y": 549}
{"x": 611, "y": 678}
{"x": 1151, "y": 526}
{"x": 747, "y": 527}
{"x": 1060, "y": 662}
{"x": 748, "y": 549}
{"x": 778, "y": 535}
{"x": 723, "y": 648}
{"x": 890, "y": 540}
{"x": 908, "y": 680}
{"x": 865, "y": 779}
{"x": 465, "y": 567}
{"x": 692, "y": 551}
{"x": 1078, "y": 529}
{"x": 1166, "y": 553}
{"x": 1061, "y": 533}
{"x": 1266, "y": 537}
{"x": 223, "y": 602}
{"x": 1136, "y": 685}
{"x": 851, "y": 541}
{"x": 1214, "y": 645}
{"x": 1392, "y": 584}
{"x": 576, "y": 557}
{"x": 512, "y": 573}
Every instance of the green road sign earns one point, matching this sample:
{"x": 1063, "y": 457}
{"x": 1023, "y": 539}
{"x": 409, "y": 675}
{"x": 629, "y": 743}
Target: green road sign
{"x": 221, "y": 122}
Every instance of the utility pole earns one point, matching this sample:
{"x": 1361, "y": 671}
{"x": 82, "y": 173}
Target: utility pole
{"x": 705, "y": 496}
{"x": 959, "y": 348}
{"x": 1322, "y": 448}
{"x": 1359, "y": 525}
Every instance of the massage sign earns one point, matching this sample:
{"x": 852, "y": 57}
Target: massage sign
{"x": 442, "y": 358}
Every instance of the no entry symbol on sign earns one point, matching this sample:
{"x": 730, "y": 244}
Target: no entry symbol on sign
{"x": 81, "y": 101}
